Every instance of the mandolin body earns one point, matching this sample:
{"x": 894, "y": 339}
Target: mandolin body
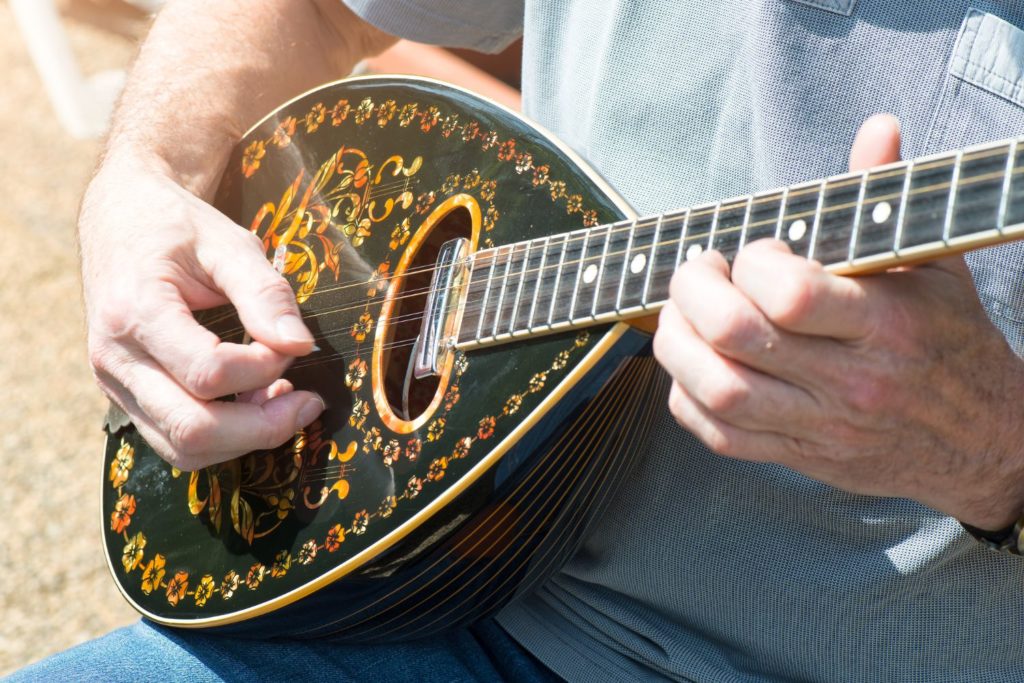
{"x": 408, "y": 507}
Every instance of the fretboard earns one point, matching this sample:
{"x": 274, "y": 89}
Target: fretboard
{"x": 854, "y": 223}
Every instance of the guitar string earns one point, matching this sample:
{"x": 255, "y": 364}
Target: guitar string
{"x": 772, "y": 196}
{"x": 548, "y": 462}
{"x": 696, "y": 237}
{"x": 507, "y": 559}
{"x": 388, "y": 188}
{"x": 473, "y": 309}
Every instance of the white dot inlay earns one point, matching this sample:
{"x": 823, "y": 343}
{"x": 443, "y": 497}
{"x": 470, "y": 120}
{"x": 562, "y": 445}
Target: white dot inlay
{"x": 694, "y": 251}
{"x": 637, "y": 264}
{"x": 590, "y": 273}
{"x": 797, "y": 229}
{"x": 881, "y": 212}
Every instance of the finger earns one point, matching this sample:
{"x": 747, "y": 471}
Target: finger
{"x": 731, "y": 391}
{"x": 198, "y": 359}
{"x": 190, "y": 433}
{"x": 726, "y": 439}
{"x": 719, "y": 313}
{"x": 877, "y": 142}
{"x": 261, "y": 396}
{"x": 799, "y": 296}
{"x": 235, "y": 260}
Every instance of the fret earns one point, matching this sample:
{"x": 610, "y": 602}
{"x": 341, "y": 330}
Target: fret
{"x": 729, "y": 231}
{"x": 492, "y": 296}
{"x": 798, "y": 219}
{"x": 858, "y": 219}
{"x": 531, "y": 281}
{"x": 602, "y": 268}
{"x": 479, "y": 285}
{"x": 611, "y": 273}
{"x": 650, "y": 262}
{"x": 714, "y": 226}
{"x": 624, "y": 268}
{"x": 593, "y": 266}
{"x": 513, "y": 285}
{"x": 581, "y": 259}
{"x": 681, "y": 246}
{"x": 782, "y": 213}
{"x": 1014, "y": 213}
{"x": 928, "y": 201}
{"x": 666, "y": 255}
{"x": 558, "y": 300}
{"x": 1004, "y": 200}
{"x": 980, "y": 193}
{"x": 816, "y": 228}
{"x": 701, "y": 220}
{"x": 902, "y": 211}
{"x": 839, "y": 202}
{"x": 637, "y": 264}
{"x": 947, "y": 224}
{"x": 765, "y": 212}
{"x": 878, "y": 223}
{"x": 516, "y": 307}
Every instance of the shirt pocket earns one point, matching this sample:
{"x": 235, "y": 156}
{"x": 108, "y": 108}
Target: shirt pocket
{"x": 982, "y": 99}
{"x": 842, "y": 7}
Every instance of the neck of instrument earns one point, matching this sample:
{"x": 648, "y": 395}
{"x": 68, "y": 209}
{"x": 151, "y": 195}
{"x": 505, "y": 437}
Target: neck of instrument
{"x": 853, "y": 224}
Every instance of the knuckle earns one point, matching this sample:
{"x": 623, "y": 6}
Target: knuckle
{"x": 189, "y": 433}
{"x": 677, "y": 405}
{"x": 114, "y": 317}
{"x": 719, "y": 442}
{"x": 205, "y": 379}
{"x": 728, "y": 396}
{"x": 794, "y": 303}
{"x": 736, "y": 329}
{"x": 867, "y": 394}
{"x": 274, "y": 288}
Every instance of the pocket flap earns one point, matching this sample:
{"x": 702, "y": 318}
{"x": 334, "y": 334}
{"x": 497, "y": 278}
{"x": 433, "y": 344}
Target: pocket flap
{"x": 989, "y": 53}
{"x": 844, "y": 7}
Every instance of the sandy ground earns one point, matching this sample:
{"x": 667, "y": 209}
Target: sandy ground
{"x": 54, "y": 587}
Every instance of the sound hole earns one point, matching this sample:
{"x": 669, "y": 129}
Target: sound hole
{"x": 406, "y": 318}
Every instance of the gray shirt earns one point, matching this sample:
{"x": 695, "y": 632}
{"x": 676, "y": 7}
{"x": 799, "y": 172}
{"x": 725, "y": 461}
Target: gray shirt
{"x": 707, "y": 568}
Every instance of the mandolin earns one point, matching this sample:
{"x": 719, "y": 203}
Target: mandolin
{"x": 479, "y": 297}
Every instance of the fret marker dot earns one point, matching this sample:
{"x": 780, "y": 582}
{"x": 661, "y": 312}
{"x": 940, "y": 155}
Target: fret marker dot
{"x": 590, "y": 274}
{"x": 637, "y": 264}
{"x": 694, "y": 251}
{"x": 881, "y": 212}
{"x": 797, "y": 229}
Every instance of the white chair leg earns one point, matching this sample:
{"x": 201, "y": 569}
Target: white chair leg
{"x": 83, "y": 105}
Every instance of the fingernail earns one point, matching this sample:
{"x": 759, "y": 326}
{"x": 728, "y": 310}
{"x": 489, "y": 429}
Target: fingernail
{"x": 310, "y": 411}
{"x": 291, "y": 329}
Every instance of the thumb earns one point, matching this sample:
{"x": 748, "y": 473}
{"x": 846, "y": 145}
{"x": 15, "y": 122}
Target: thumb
{"x": 877, "y": 142}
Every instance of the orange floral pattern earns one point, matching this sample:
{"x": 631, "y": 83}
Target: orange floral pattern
{"x": 357, "y": 227}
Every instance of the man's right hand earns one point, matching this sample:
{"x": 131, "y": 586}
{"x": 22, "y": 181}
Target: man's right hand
{"x": 153, "y": 250}
{"x": 152, "y": 253}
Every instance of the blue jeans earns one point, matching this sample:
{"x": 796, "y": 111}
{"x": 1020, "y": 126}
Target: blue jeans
{"x": 146, "y": 651}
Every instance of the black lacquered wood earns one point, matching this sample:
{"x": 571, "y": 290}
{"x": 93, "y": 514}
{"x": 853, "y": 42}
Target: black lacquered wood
{"x": 799, "y": 217}
{"x": 731, "y": 230}
{"x": 928, "y": 202}
{"x": 765, "y": 217}
{"x": 881, "y": 211}
{"x": 978, "y": 192}
{"x": 840, "y": 211}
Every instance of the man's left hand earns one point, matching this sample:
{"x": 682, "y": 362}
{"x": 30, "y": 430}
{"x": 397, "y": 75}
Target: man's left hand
{"x": 894, "y": 384}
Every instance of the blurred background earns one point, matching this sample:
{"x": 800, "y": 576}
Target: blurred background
{"x": 62, "y": 63}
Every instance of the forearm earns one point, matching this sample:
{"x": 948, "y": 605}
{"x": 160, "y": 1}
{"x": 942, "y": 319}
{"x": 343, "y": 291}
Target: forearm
{"x": 209, "y": 70}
